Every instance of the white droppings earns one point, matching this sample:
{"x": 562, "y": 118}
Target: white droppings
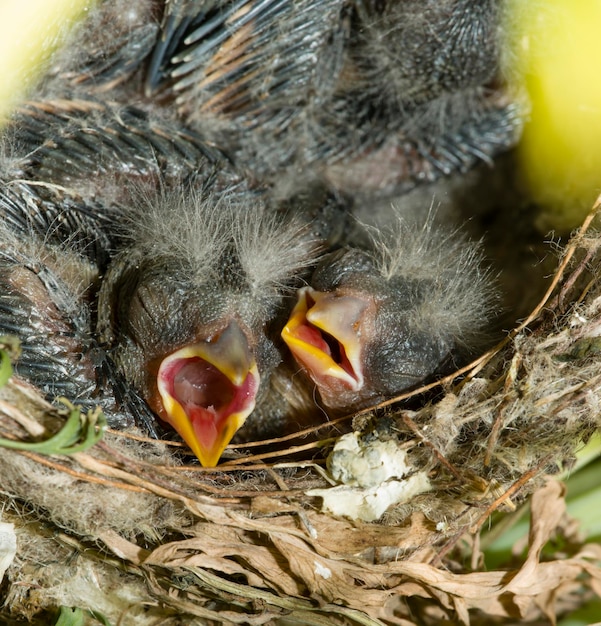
{"x": 8, "y": 547}
{"x": 373, "y": 476}
{"x": 322, "y": 570}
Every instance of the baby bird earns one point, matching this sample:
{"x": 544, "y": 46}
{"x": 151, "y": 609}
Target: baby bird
{"x": 184, "y": 310}
{"x": 379, "y": 321}
{"x": 365, "y": 97}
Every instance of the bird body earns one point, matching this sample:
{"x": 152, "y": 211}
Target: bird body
{"x": 41, "y": 292}
{"x": 194, "y": 264}
{"x": 368, "y": 97}
{"x": 364, "y": 97}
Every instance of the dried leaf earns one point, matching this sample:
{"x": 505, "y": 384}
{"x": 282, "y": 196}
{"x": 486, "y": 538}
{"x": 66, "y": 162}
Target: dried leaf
{"x": 227, "y": 553}
{"x": 122, "y": 548}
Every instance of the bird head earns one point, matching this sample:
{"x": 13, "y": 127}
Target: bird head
{"x": 185, "y": 310}
{"x": 379, "y": 321}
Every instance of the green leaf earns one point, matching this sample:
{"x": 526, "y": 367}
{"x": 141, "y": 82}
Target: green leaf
{"x": 80, "y": 432}
{"x": 10, "y": 350}
{"x": 6, "y": 370}
{"x": 70, "y": 617}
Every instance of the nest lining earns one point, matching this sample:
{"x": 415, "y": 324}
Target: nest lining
{"x": 149, "y": 537}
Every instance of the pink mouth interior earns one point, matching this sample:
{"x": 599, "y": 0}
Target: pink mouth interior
{"x": 207, "y": 396}
{"x": 198, "y": 383}
{"x": 325, "y": 342}
{"x": 313, "y": 336}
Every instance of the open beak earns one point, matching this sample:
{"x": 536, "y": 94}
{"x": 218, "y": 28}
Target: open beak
{"x": 208, "y": 389}
{"x": 324, "y": 335}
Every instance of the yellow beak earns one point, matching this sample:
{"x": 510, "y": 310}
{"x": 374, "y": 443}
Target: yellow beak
{"x": 324, "y": 335}
{"x": 208, "y": 389}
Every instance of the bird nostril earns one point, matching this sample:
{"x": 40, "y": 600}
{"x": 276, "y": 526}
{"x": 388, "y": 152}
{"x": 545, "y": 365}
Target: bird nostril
{"x": 202, "y": 384}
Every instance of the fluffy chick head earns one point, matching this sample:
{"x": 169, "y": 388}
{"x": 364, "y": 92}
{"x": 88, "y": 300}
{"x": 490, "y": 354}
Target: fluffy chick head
{"x": 378, "y": 321}
{"x": 186, "y": 308}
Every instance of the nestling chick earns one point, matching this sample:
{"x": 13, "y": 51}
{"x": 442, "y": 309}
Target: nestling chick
{"x": 379, "y": 321}
{"x": 184, "y": 310}
{"x": 84, "y": 179}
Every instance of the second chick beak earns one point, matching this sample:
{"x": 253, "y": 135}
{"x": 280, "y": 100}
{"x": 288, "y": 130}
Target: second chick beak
{"x": 208, "y": 389}
{"x": 324, "y": 335}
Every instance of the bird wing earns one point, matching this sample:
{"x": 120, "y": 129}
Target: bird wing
{"x": 43, "y": 289}
{"x": 75, "y": 139}
{"x": 247, "y": 57}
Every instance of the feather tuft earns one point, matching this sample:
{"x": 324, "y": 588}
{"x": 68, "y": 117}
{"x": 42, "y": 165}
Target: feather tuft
{"x": 461, "y": 291}
{"x": 187, "y": 229}
{"x": 272, "y": 251}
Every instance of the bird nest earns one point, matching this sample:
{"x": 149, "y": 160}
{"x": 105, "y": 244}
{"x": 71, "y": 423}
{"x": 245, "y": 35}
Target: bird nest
{"x": 131, "y": 530}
